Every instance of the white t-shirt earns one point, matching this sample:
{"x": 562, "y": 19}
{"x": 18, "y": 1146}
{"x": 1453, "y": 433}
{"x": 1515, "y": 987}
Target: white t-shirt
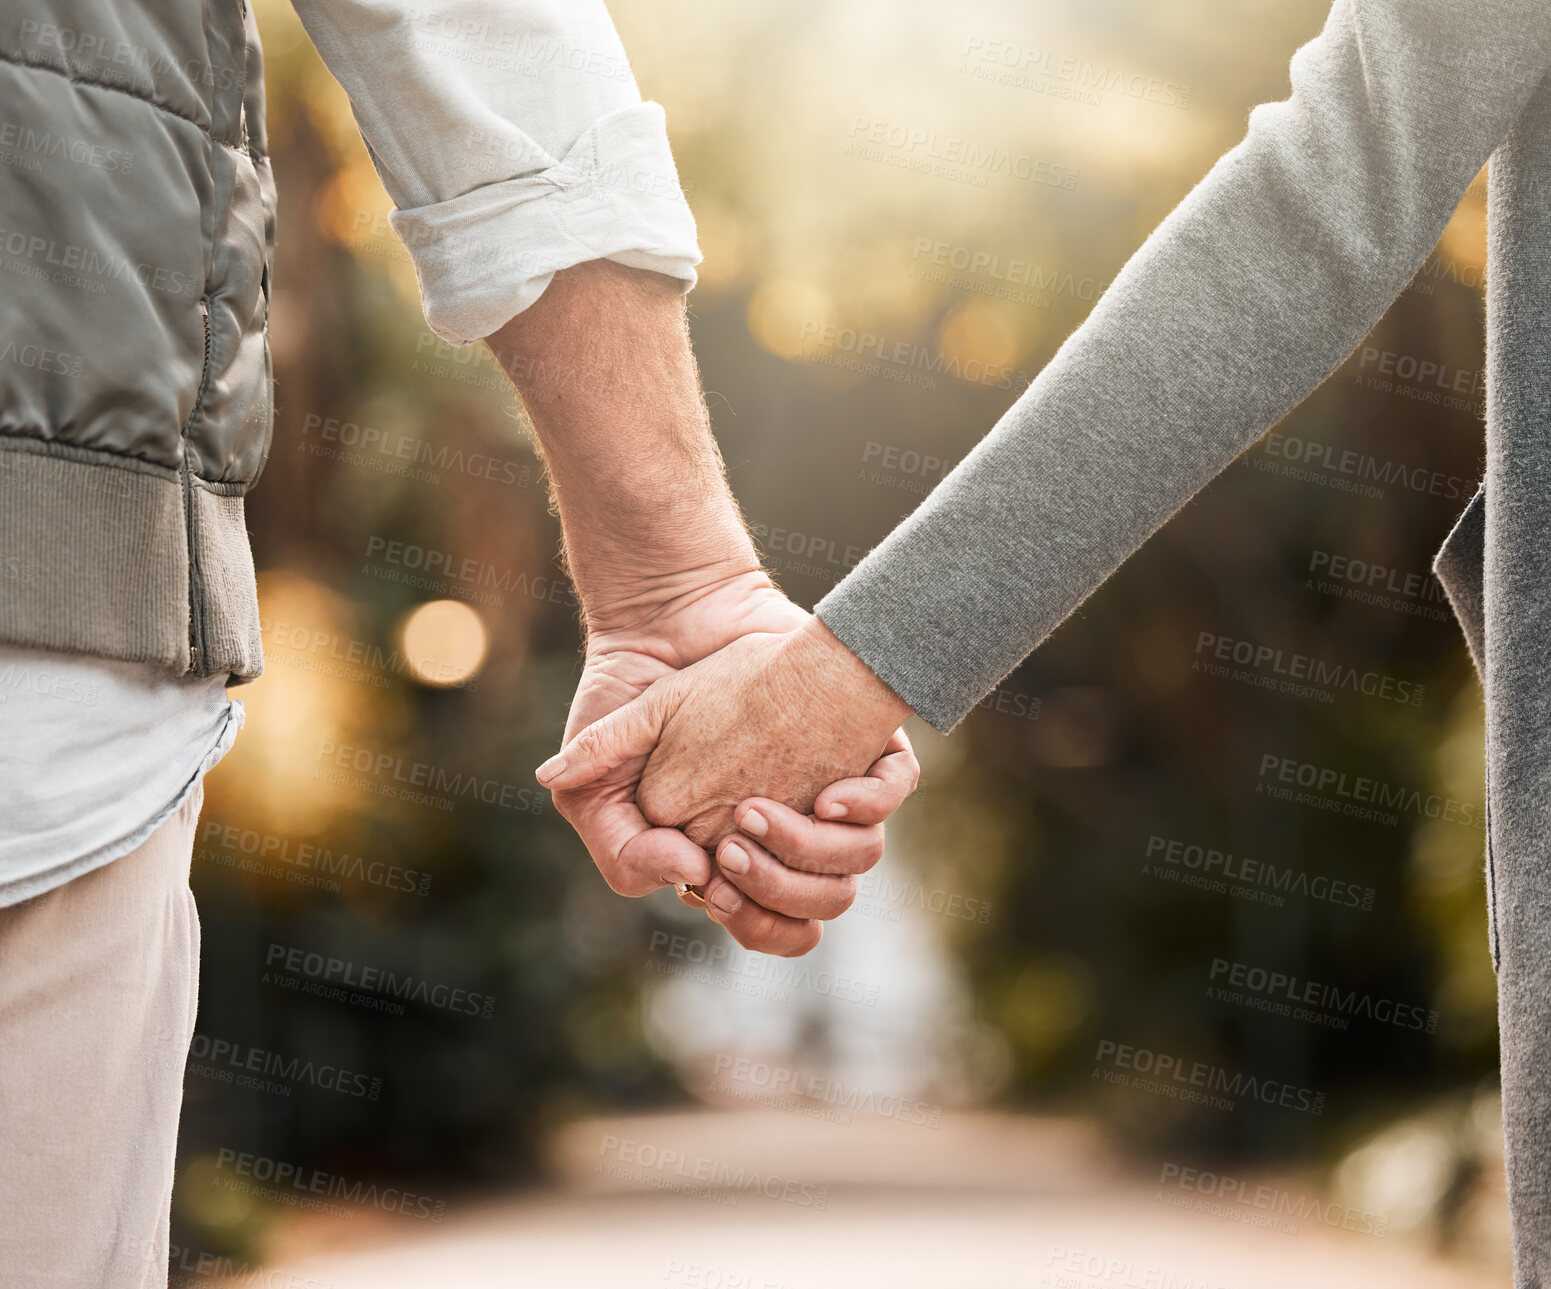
{"x": 94, "y": 756}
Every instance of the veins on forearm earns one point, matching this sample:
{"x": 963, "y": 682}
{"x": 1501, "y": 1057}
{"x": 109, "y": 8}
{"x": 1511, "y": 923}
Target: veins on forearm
{"x": 603, "y": 364}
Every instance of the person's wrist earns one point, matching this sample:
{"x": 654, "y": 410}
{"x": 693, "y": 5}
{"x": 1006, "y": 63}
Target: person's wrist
{"x": 656, "y": 601}
{"x": 603, "y": 364}
{"x": 817, "y": 662}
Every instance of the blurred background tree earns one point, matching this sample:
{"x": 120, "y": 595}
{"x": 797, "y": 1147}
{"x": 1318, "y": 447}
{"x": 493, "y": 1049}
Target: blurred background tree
{"x": 1040, "y": 808}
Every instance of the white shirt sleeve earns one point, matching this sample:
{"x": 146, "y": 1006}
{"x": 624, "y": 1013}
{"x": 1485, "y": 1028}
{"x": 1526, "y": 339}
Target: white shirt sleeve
{"x": 514, "y": 143}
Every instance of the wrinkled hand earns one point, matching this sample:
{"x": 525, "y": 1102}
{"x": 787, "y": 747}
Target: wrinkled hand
{"x": 794, "y": 718}
{"x": 789, "y": 884}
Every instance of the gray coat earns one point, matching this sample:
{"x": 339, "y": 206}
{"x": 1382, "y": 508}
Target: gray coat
{"x": 1250, "y": 294}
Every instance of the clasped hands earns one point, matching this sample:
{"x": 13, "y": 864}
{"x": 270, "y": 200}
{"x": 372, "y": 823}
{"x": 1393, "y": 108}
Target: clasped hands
{"x": 713, "y": 715}
{"x": 730, "y": 743}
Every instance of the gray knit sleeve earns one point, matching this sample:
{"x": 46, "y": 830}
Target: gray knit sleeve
{"x": 1243, "y": 300}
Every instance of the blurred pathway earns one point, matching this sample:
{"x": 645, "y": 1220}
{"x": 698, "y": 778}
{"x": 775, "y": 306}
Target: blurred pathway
{"x": 772, "y": 1200}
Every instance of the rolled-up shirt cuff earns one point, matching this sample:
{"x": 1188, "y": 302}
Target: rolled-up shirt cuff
{"x": 486, "y": 255}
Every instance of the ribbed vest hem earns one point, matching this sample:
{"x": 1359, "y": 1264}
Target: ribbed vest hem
{"x": 133, "y": 564}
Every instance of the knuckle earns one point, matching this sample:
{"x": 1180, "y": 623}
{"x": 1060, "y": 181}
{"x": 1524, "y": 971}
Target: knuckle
{"x": 659, "y": 803}
{"x": 843, "y": 898}
{"x": 708, "y": 828}
{"x": 749, "y": 938}
{"x": 766, "y": 932}
{"x": 802, "y": 941}
{"x": 624, "y": 880}
{"x": 867, "y": 849}
{"x": 788, "y": 828}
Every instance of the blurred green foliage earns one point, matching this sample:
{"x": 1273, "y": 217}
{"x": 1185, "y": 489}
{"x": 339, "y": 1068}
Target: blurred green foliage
{"x": 1047, "y": 818}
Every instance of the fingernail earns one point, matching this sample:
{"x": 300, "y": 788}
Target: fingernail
{"x": 734, "y": 858}
{"x": 754, "y": 823}
{"x": 726, "y": 900}
{"x": 835, "y": 810}
{"x": 674, "y": 879}
{"x": 552, "y": 768}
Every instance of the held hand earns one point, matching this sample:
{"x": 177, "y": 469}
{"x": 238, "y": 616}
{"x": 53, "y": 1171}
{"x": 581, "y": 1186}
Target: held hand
{"x": 806, "y": 865}
{"x": 789, "y": 880}
{"x": 662, "y": 563}
{"x": 784, "y": 715}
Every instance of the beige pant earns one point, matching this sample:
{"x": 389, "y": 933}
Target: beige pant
{"x": 99, "y": 981}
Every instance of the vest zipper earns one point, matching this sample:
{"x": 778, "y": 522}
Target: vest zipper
{"x": 195, "y": 592}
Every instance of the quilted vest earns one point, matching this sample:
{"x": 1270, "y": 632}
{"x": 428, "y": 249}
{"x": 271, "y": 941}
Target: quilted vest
{"x": 136, "y": 240}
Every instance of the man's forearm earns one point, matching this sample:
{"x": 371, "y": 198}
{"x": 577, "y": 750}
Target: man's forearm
{"x": 604, "y": 367}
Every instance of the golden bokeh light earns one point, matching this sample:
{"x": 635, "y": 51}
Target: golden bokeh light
{"x": 786, "y": 315}
{"x": 322, "y": 686}
{"x": 983, "y": 336}
{"x": 444, "y": 642}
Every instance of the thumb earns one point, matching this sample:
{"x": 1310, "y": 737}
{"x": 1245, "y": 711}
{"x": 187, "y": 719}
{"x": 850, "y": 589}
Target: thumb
{"x": 624, "y": 734}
